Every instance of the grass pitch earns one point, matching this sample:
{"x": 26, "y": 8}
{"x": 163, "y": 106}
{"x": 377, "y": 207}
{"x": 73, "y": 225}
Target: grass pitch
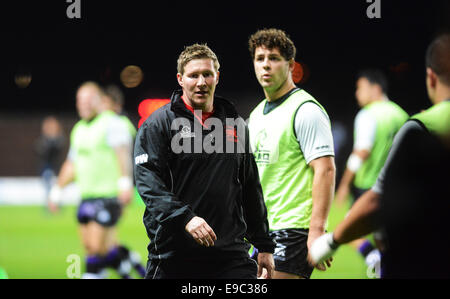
{"x": 35, "y": 244}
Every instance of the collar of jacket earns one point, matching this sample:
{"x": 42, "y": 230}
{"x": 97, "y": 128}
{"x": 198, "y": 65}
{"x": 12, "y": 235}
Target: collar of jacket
{"x": 222, "y": 107}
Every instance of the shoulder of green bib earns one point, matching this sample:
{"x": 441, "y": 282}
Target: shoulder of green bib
{"x": 303, "y": 97}
{"x": 77, "y": 125}
{"x": 260, "y": 106}
{"x": 436, "y": 118}
{"x": 436, "y": 109}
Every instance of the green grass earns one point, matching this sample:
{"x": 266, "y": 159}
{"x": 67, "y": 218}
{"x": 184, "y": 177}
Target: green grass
{"x": 36, "y": 244}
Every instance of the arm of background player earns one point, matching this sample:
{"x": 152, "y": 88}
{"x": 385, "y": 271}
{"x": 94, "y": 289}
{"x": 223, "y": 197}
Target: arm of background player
{"x": 360, "y": 221}
{"x": 119, "y": 138}
{"x": 365, "y": 130}
{"x": 343, "y": 189}
{"x": 125, "y": 182}
{"x": 66, "y": 176}
{"x": 322, "y": 194}
{"x": 313, "y": 131}
{"x": 363, "y": 217}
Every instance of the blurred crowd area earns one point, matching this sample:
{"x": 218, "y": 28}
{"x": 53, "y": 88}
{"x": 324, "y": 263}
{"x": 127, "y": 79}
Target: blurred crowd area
{"x": 33, "y": 144}
{"x": 36, "y": 144}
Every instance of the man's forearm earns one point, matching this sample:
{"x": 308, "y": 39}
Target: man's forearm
{"x": 360, "y": 221}
{"x": 322, "y": 193}
{"x": 66, "y": 174}
{"x": 124, "y": 158}
{"x": 347, "y": 179}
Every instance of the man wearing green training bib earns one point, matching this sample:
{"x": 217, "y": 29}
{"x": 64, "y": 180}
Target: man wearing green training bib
{"x": 291, "y": 139}
{"x": 99, "y": 162}
{"x": 375, "y": 127}
{"x": 410, "y": 198}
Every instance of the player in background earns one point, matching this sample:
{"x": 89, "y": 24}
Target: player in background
{"x": 49, "y": 148}
{"x": 121, "y": 256}
{"x": 374, "y": 129}
{"x": 290, "y": 135}
{"x": 99, "y": 163}
{"x": 115, "y": 98}
{"x": 410, "y": 197}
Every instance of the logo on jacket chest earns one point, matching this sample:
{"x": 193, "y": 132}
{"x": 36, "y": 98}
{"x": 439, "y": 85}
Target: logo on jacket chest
{"x": 212, "y": 136}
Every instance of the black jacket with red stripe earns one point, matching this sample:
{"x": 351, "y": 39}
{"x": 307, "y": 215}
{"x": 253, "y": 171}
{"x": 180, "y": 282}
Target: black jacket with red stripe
{"x": 182, "y": 170}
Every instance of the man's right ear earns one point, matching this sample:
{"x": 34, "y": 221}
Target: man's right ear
{"x": 180, "y": 79}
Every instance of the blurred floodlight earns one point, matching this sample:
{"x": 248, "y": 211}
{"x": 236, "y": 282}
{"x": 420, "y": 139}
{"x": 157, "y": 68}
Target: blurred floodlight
{"x": 148, "y": 106}
{"x": 131, "y": 76}
{"x": 22, "y": 80}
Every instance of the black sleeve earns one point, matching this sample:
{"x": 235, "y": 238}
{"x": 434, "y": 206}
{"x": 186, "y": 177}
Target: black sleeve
{"x": 153, "y": 176}
{"x": 255, "y": 211}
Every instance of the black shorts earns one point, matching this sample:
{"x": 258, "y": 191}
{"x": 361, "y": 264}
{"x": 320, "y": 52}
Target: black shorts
{"x": 291, "y": 252}
{"x": 236, "y": 268}
{"x": 104, "y": 211}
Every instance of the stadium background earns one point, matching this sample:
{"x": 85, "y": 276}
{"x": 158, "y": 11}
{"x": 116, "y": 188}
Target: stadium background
{"x": 334, "y": 40}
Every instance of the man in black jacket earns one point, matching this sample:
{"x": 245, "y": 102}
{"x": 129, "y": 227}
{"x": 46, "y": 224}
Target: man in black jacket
{"x": 199, "y": 181}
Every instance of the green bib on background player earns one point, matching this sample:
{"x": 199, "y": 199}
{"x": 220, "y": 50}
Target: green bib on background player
{"x": 286, "y": 178}
{"x": 96, "y": 165}
{"x": 389, "y": 118}
{"x": 436, "y": 119}
{"x": 136, "y": 197}
{"x": 129, "y": 125}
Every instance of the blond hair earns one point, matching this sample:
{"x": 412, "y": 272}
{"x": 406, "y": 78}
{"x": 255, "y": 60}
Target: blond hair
{"x": 196, "y": 51}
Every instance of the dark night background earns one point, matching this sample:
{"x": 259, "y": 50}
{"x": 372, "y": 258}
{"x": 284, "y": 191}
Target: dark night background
{"x": 335, "y": 39}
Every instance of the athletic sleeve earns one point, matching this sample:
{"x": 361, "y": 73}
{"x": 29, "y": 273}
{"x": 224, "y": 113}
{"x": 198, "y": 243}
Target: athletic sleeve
{"x": 365, "y": 131}
{"x": 117, "y": 133}
{"x": 313, "y": 131}
{"x": 409, "y": 126}
{"x": 71, "y": 154}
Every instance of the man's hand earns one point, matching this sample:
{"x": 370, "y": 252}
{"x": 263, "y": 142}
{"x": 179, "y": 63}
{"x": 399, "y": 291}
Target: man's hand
{"x": 126, "y": 190}
{"x": 265, "y": 261}
{"x": 54, "y": 198}
{"x": 125, "y": 196}
{"x": 322, "y": 249}
{"x": 202, "y": 233}
{"x": 313, "y": 236}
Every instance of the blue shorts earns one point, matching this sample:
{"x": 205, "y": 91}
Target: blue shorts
{"x": 104, "y": 211}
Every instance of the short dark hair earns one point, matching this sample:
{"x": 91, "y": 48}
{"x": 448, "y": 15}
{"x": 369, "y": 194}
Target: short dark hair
{"x": 272, "y": 38}
{"x": 438, "y": 57}
{"x": 375, "y": 76}
{"x": 114, "y": 92}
